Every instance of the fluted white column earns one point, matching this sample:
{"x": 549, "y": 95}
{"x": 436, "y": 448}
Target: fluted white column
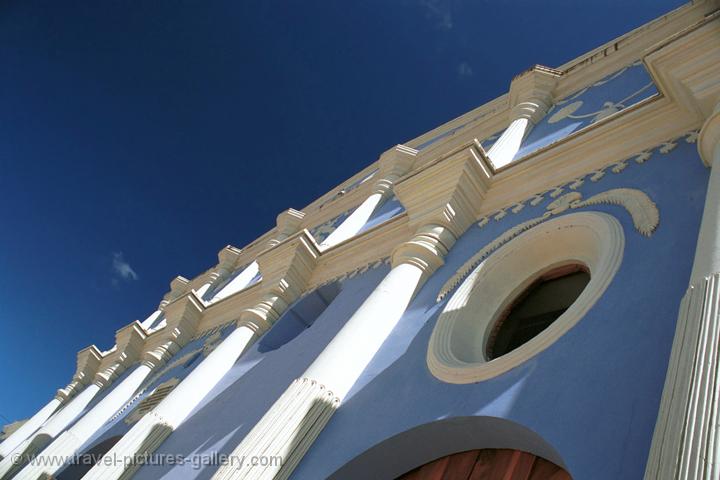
{"x": 291, "y": 425}
{"x": 51, "y": 429}
{"x": 67, "y": 444}
{"x": 530, "y": 99}
{"x": 290, "y": 263}
{"x": 87, "y": 360}
{"x": 70, "y": 441}
{"x": 29, "y": 427}
{"x": 151, "y": 430}
{"x": 686, "y": 441}
{"x": 394, "y": 163}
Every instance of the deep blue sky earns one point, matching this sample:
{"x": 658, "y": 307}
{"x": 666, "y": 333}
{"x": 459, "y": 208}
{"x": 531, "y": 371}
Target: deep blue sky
{"x": 147, "y": 135}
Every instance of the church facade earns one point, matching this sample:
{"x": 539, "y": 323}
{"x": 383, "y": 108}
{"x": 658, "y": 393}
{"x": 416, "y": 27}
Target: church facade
{"x": 529, "y": 291}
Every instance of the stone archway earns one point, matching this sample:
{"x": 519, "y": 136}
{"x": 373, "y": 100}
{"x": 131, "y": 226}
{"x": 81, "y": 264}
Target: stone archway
{"x": 488, "y": 464}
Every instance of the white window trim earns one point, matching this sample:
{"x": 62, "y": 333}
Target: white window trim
{"x": 457, "y": 348}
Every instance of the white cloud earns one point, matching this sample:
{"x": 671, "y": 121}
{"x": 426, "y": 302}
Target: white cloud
{"x": 123, "y": 268}
{"x": 464, "y": 70}
{"x": 438, "y": 11}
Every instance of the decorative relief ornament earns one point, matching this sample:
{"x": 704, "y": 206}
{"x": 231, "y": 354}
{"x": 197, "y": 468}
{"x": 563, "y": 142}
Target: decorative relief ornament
{"x": 594, "y": 176}
{"x": 642, "y": 210}
{"x": 667, "y": 147}
{"x": 609, "y": 107}
{"x": 152, "y": 400}
{"x": 642, "y": 157}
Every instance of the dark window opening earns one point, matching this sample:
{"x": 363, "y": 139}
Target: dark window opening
{"x": 536, "y": 308}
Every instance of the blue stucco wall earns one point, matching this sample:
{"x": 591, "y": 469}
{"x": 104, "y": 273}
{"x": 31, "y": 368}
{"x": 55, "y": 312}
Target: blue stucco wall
{"x": 607, "y": 96}
{"x": 593, "y": 395}
{"x": 261, "y": 375}
{"x": 116, "y": 425}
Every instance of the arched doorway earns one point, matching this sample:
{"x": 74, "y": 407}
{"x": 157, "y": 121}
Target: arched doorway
{"x": 442, "y": 440}
{"x": 488, "y": 464}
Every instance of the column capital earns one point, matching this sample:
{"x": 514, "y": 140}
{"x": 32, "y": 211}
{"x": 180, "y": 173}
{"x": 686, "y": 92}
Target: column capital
{"x": 288, "y": 224}
{"x": 183, "y": 317}
{"x": 229, "y": 256}
{"x": 393, "y": 164}
{"x": 709, "y": 139}
{"x": 88, "y": 362}
{"x": 178, "y": 287}
{"x": 130, "y": 339}
{"x": 286, "y": 269}
{"x": 531, "y": 93}
{"x": 396, "y": 162}
{"x": 159, "y": 355}
{"x": 449, "y": 191}
{"x": 426, "y": 250}
{"x": 227, "y": 261}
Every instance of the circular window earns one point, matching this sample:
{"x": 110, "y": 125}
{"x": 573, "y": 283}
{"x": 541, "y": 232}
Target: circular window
{"x": 525, "y": 296}
{"x": 536, "y": 308}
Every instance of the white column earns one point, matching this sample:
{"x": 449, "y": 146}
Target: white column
{"x": 29, "y": 427}
{"x": 69, "y": 442}
{"x": 238, "y": 283}
{"x": 530, "y": 98}
{"x": 51, "y": 429}
{"x": 178, "y": 286}
{"x": 346, "y": 356}
{"x": 686, "y": 441}
{"x": 227, "y": 257}
{"x": 289, "y": 266}
{"x": 503, "y": 151}
{"x": 357, "y": 219}
{"x": 394, "y": 163}
{"x": 149, "y": 433}
{"x": 149, "y": 321}
{"x": 291, "y": 425}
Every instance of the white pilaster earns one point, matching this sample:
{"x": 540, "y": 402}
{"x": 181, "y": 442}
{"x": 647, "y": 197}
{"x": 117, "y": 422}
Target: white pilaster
{"x": 686, "y": 442}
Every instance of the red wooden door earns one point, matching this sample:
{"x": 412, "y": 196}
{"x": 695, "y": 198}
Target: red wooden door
{"x": 488, "y": 464}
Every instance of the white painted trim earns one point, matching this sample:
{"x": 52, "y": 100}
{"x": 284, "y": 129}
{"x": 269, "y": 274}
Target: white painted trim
{"x": 456, "y": 352}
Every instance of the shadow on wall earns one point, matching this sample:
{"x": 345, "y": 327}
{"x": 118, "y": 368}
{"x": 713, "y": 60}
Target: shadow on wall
{"x": 415, "y": 447}
{"x": 300, "y": 316}
{"x": 87, "y": 459}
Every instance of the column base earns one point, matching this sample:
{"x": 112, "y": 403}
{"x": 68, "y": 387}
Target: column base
{"x": 130, "y": 452}
{"x": 284, "y": 434}
{"x": 53, "y": 458}
{"x": 22, "y": 455}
